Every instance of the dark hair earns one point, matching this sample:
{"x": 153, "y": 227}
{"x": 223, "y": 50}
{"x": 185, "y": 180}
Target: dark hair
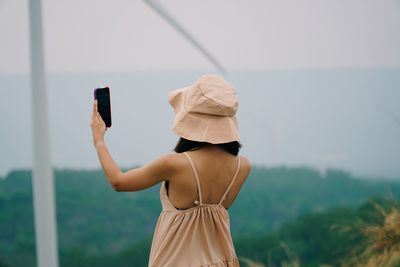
{"x": 189, "y": 145}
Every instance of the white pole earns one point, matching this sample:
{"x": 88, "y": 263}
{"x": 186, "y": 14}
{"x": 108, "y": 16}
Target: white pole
{"x": 43, "y": 184}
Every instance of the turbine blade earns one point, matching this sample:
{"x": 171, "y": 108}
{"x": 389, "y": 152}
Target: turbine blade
{"x": 169, "y": 19}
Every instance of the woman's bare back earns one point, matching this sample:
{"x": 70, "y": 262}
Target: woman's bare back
{"x": 215, "y": 169}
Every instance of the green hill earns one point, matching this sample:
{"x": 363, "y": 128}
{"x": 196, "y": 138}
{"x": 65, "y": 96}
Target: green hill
{"x": 96, "y": 223}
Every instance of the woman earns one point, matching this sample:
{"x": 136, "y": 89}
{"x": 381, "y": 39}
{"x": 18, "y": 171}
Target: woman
{"x": 199, "y": 182}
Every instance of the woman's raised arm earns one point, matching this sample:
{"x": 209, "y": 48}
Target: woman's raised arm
{"x": 134, "y": 179}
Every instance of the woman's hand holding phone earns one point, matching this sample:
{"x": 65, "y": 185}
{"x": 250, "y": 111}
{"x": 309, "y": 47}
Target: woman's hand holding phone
{"x": 101, "y": 117}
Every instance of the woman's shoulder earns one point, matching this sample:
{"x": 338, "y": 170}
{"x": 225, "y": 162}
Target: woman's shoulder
{"x": 244, "y": 160}
{"x": 172, "y": 160}
{"x": 245, "y": 165}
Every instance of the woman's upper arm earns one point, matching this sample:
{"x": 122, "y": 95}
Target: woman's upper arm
{"x": 146, "y": 176}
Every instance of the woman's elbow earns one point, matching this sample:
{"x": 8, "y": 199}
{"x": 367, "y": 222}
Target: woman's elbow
{"x": 116, "y": 187}
{"x": 115, "y": 184}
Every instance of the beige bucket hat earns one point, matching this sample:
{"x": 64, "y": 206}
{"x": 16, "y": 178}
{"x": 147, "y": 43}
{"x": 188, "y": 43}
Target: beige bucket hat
{"x": 206, "y": 111}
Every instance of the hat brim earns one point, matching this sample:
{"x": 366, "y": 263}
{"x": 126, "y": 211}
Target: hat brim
{"x": 214, "y": 130}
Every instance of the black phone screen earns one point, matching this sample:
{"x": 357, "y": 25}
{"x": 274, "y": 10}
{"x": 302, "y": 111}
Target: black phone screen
{"x": 104, "y": 104}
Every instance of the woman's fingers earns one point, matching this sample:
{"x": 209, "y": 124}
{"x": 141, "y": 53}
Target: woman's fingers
{"x": 97, "y": 124}
{"x": 94, "y": 110}
{"x": 95, "y": 113}
{"x": 97, "y": 120}
{"x": 95, "y": 107}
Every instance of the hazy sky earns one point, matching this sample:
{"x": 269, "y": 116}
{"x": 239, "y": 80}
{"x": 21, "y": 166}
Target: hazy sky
{"x": 104, "y": 35}
{"x": 318, "y": 81}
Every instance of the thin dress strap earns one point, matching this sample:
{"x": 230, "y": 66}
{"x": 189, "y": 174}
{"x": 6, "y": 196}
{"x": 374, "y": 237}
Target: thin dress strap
{"x": 197, "y": 178}
{"x": 230, "y": 185}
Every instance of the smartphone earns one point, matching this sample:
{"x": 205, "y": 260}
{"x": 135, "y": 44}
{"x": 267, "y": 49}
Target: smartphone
{"x": 104, "y": 104}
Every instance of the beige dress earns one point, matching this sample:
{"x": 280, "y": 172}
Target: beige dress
{"x": 195, "y": 237}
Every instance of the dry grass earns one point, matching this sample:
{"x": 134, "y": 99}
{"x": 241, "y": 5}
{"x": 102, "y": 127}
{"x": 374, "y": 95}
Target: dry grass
{"x": 382, "y": 245}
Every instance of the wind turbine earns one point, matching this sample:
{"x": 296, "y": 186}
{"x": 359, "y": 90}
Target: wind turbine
{"x": 43, "y": 179}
